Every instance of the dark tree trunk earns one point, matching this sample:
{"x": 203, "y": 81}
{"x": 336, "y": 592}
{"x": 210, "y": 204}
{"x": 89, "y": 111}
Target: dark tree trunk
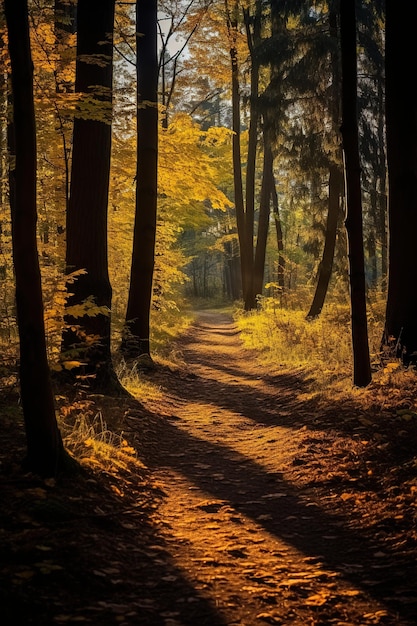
{"x": 278, "y": 28}
{"x": 4, "y": 95}
{"x": 253, "y": 39}
{"x": 264, "y": 213}
{"x": 371, "y": 239}
{"x": 65, "y": 25}
{"x": 335, "y": 177}
{"x": 232, "y": 21}
{"x": 136, "y": 340}
{"x": 280, "y": 238}
{"x": 381, "y": 215}
{"x": 326, "y": 265}
{"x": 401, "y": 125}
{"x": 232, "y": 270}
{"x": 361, "y": 361}
{"x": 45, "y": 452}
{"x": 87, "y": 211}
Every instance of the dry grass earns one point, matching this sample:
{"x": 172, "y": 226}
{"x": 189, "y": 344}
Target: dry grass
{"x": 284, "y": 338}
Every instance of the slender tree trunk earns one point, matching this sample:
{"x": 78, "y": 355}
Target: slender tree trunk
{"x": 361, "y": 361}
{"x": 65, "y": 26}
{"x": 232, "y": 270}
{"x": 3, "y": 126}
{"x": 280, "y": 237}
{"x": 86, "y": 224}
{"x": 45, "y": 452}
{"x": 326, "y": 265}
{"x": 278, "y": 28}
{"x": 253, "y": 38}
{"x": 372, "y": 235}
{"x": 264, "y": 213}
{"x": 136, "y": 340}
{"x": 401, "y": 129}
{"x": 335, "y": 176}
{"x": 381, "y": 211}
{"x": 232, "y": 21}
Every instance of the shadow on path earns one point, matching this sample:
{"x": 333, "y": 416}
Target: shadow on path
{"x": 287, "y": 513}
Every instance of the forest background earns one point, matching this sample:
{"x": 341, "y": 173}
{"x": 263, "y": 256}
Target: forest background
{"x": 250, "y": 109}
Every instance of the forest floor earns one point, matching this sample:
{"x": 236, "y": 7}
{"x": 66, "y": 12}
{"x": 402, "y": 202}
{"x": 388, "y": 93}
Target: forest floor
{"x": 252, "y": 502}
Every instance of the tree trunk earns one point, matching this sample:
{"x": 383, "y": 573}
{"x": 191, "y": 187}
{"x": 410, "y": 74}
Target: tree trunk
{"x": 86, "y": 224}
{"x": 65, "y": 26}
{"x": 264, "y": 213}
{"x": 45, "y": 452}
{"x": 136, "y": 340}
{"x": 401, "y": 129}
{"x": 253, "y": 38}
{"x": 326, "y": 265}
{"x": 232, "y": 20}
{"x": 371, "y": 239}
{"x": 381, "y": 217}
{"x": 361, "y": 361}
{"x": 335, "y": 177}
{"x": 280, "y": 238}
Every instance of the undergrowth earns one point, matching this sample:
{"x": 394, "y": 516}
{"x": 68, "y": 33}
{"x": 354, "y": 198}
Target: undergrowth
{"x": 283, "y": 337}
{"x": 86, "y": 434}
{"x": 91, "y": 440}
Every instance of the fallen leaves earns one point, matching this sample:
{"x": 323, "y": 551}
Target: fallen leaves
{"x": 221, "y": 541}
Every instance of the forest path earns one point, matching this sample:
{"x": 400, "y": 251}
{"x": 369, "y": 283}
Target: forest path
{"x": 253, "y": 514}
{"x": 232, "y": 497}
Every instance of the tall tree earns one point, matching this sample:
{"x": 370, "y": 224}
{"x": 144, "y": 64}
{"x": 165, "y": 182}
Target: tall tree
{"x": 361, "y": 361}
{"x": 245, "y": 200}
{"x": 401, "y": 133}
{"x": 87, "y": 336}
{"x": 232, "y": 15}
{"x": 335, "y": 175}
{"x": 326, "y": 264}
{"x": 372, "y": 139}
{"x": 65, "y": 13}
{"x": 45, "y": 452}
{"x": 264, "y": 213}
{"x": 136, "y": 340}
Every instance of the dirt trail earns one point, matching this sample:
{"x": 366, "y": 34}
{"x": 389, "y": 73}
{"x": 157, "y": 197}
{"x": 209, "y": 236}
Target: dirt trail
{"x": 249, "y": 503}
{"x": 247, "y": 516}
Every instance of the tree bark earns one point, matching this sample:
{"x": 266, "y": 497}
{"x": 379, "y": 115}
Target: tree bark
{"x": 280, "y": 237}
{"x": 264, "y": 213}
{"x": 253, "y": 38}
{"x": 401, "y": 132}
{"x": 64, "y": 25}
{"x": 87, "y": 338}
{"x": 361, "y": 361}
{"x": 136, "y": 341}
{"x": 326, "y": 265}
{"x": 335, "y": 176}
{"x": 45, "y": 452}
{"x": 232, "y": 21}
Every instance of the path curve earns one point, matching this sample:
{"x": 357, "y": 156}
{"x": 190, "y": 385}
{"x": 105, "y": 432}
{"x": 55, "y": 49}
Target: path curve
{"x": 239, "y": 516}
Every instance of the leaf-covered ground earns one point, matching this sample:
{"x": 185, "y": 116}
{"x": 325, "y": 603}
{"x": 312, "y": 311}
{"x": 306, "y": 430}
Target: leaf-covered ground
{"x": 252, "y": 502}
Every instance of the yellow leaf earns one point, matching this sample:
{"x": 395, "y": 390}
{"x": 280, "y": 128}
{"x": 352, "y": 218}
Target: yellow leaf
{"x": 317, "y": 599}
{"x": 70, "y": 365}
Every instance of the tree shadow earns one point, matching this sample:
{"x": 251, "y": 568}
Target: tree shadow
{"x": 73, "y": 553}
{"x": 286, "y": 513}
{"x": 284, "y": 402}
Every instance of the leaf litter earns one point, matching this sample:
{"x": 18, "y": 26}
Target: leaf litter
{"x": 253, "y": 504}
